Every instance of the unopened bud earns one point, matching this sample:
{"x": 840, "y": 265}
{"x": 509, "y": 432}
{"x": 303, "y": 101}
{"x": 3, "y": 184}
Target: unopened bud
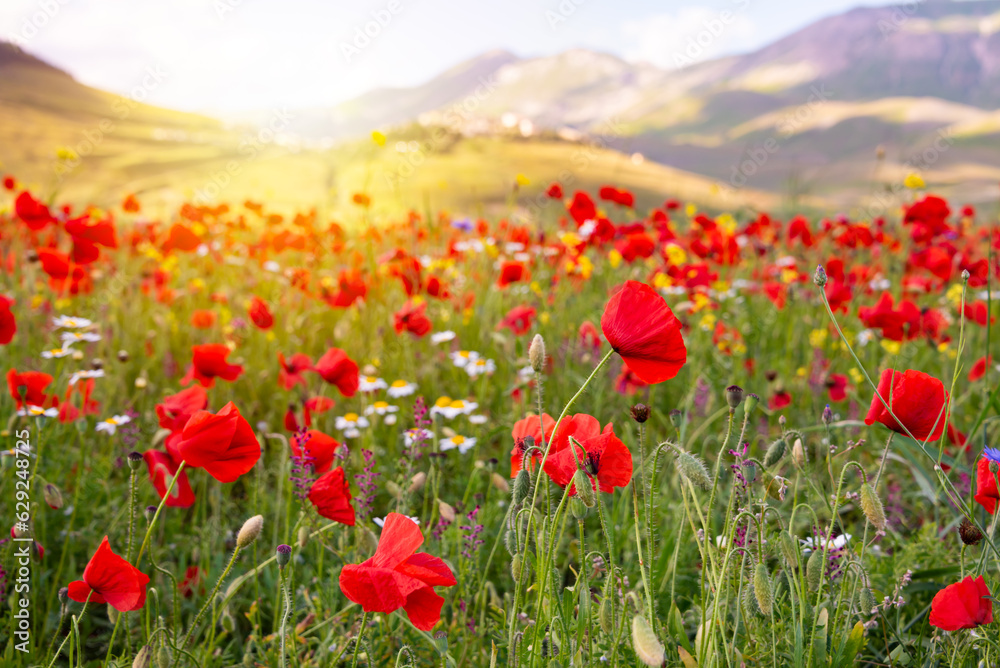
{"x": 446, "y": 511}
{"x": 416, "y": 482}
{"x": 762, "y": 589}
{"x": 515, "y": 567}
{"x": 522, "y": 487}
{"x": 303, "y": 537}
{"x": 814, "y": 569}
{"x": 143, "y": 658}
{"x": 536, "y": 353}
{"x": 249, "y": 532}
{"x": 827, "y": 415}
{"x": 866, "y": 601}
{"x": 500, "y": 482}
{"x": 584, "y": 489}
{"x": 994, "y": 467}
{"x": 872, "y": 507}
{"x": 966, "y": 275}
{"x": 789, "y": 550}
{"x": 774, "y": 453}
{"x": 53, "y": 496}
{"x": 694, "y": 470}
{"x": 647, "y": 647}
{"x": 283, "y": 554}
{"x": 163, "y": 657}
{"x": 819, "y": 277}
{"x": 799, "y": 453}
{"x": 734, "y": 396}
{"x": 607, "y": 612}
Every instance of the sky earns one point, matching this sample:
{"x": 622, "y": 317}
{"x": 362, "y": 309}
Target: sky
{"x": 233, "y": 56}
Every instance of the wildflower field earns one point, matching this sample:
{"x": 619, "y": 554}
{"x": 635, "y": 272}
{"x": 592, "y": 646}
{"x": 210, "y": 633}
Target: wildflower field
{"x": 591, "y": 436}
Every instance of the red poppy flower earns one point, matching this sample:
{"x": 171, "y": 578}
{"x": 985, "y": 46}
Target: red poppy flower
{"x": 208, "y": 362}
{"x": 986, "y": 486}
{"x": 512, "y": 272}
{"x": 589, "y": 337}
{"x": 918, "y": 400}
{"x": 319, "y": 447}
{"x": 582, "y": 208}
{"x": 336, "y": 368}
{"x": 260, "y": 315}
{"x": 8, "y": 325}
{"x": 316, "y": 406}
{"x": 963, "y": 605}
{"x": 642, "y": 329}
{"x": 332, "y": 497}
{"x": 110, "y": 579}
{"x": 529, "y": 426}
{"x": 34, "y": 214}
{"x": 222, "y": 443}
{"x": 779, "y": 400}
{"x": 292, "y": 369}
{"x": 836, "y": 385}
{"x": 979, "y": 368}
{"x": 605, "y": 459}
{"x": 192, "y": 578}
{"x": 978, "y": 313}
{"x": 555, "y": 191}
{"x": 30, "y": 385}
{"x": 518, "y": 319}
{"x": 130, "y": 204}
{"x": 9, "y": 183}
{"x": 397, "y": 578}
{"x": 182, "y": 238}
{"x": 202, "y": 319}
{"x": 175, "y": 410}
{"x": 162, "y": 469}
{"x": 412, "y": 318}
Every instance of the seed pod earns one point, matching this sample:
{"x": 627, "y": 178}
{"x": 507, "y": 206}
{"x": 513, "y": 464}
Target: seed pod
{"x": 522, "y": 487}
{"x": 814, "y": 569}
{"x": 872, "y": 507}
{"x": 584, "y": 489}
{"x": 644, "y": 641}
{"x": 536, "y": 353}
{"x": 249, "y": 532}
{"x": 866, "y": 601}
{"x": 694, "y": 470}
{"x": 750, "y": 403}
{"x": 969, "y": 533}
{"x": 774, "y": 453}
{"x": 734, "y": 396}
{"x": 640, "y": 413}
{"x": 762, "y": 589}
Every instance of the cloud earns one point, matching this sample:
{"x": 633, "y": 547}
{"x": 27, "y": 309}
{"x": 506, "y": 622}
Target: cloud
{"x": 689, "y": 35}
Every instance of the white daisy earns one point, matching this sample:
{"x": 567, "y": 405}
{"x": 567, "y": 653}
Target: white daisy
{"x": 526, "y": 373}
{"x": 350, "y": 424}
{"x": 70, "y": 322}
{"x": 371, "y": 384}
{"x": 461, "y": 442}
{"x": 410, "y": 436}
{"x": 835, "y": 544}
{"x": 112, "y": 423}
{"x": 442, "y": 337}
{"x": 461, "y": 358}
{"x": 477, "y": 419}
{"x": 401, "y": 388}
{"x": 381, "y": 520}
{"x": 80, "y": 375}
{"x": 449, "y": 409}
{"x": 73, "y": 337}
{"x": 56, "y": 353}
{"x": 38, "y": 411}
{"x": 272, "y": 266}
{"x": 479, "y": 367}
{"x": 384, "y": 409}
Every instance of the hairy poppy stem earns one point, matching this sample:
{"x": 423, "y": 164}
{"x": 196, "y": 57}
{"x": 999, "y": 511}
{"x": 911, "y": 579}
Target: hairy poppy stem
{"x": 357, "y": 641}
{"x": 70, "y": 633}
{"x": 211, "y": 597}
{"x": 163, "y": 502}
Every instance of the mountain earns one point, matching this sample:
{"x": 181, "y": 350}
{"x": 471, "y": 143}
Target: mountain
{"x": 917, "y": 84}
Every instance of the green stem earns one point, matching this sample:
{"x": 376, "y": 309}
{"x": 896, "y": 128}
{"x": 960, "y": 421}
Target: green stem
{"x": 357, "y": 641}
{"x": 211, "y": 597}
{"x": 156, "y": 515}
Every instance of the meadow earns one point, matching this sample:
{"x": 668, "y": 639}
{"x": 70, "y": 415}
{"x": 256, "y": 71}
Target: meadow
{"x": 603, "y": 435}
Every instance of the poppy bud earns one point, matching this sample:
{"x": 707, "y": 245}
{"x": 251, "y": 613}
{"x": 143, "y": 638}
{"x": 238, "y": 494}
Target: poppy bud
{"x": 608, "y": 611}
{"x": 134, "y": 460}
{"x": 163, "y": 658}
{"x": 788, "y": 549}
{"x": 866, "y": 601}
{"x": 283, "y": 553}
{"x": 510, "y": 541}
{"x": 416, "y": 482}
{"x": 500, "y": 482}
{"x": 750, "y": 403}
{"x": 819, "y": 277}
{"x": 749, "y": 600}
{"x": 522, "y": 487}
{"x": 21, "y": 531}
{"x": 446, "y": 511}
{"x": 762, "y": 589}
{"x": 640, "y": 413}
{"x": 647, "y": 646}
{"x": 515, "y": 567}
{"x": 799, "y": 453}
{"x": 143, "y": 658}
{"x": 536, "y": 353}
{"x": 994, "y": 467}
{"x": 676, "y": 418}
{"x": 303, "y": 537}
{"x": 584, "y": 489}
{"x": 774, "y": 453}
{"x": 249, "y": 532}
{"x": 53, "y": 496}
{"x": 734, "y": 396}
{"x": 969, "y": 533}
{"x": 814, "y": 569}
{"x": 150, "y": 513}
{"x": 578, "y": 508}
{"x": 782, "y": 421}
{"x": 112, "y": 615}
{"x": 694, "y": 470}
{"x": 123, "y": 356}
{"x": 872, "y": 507}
